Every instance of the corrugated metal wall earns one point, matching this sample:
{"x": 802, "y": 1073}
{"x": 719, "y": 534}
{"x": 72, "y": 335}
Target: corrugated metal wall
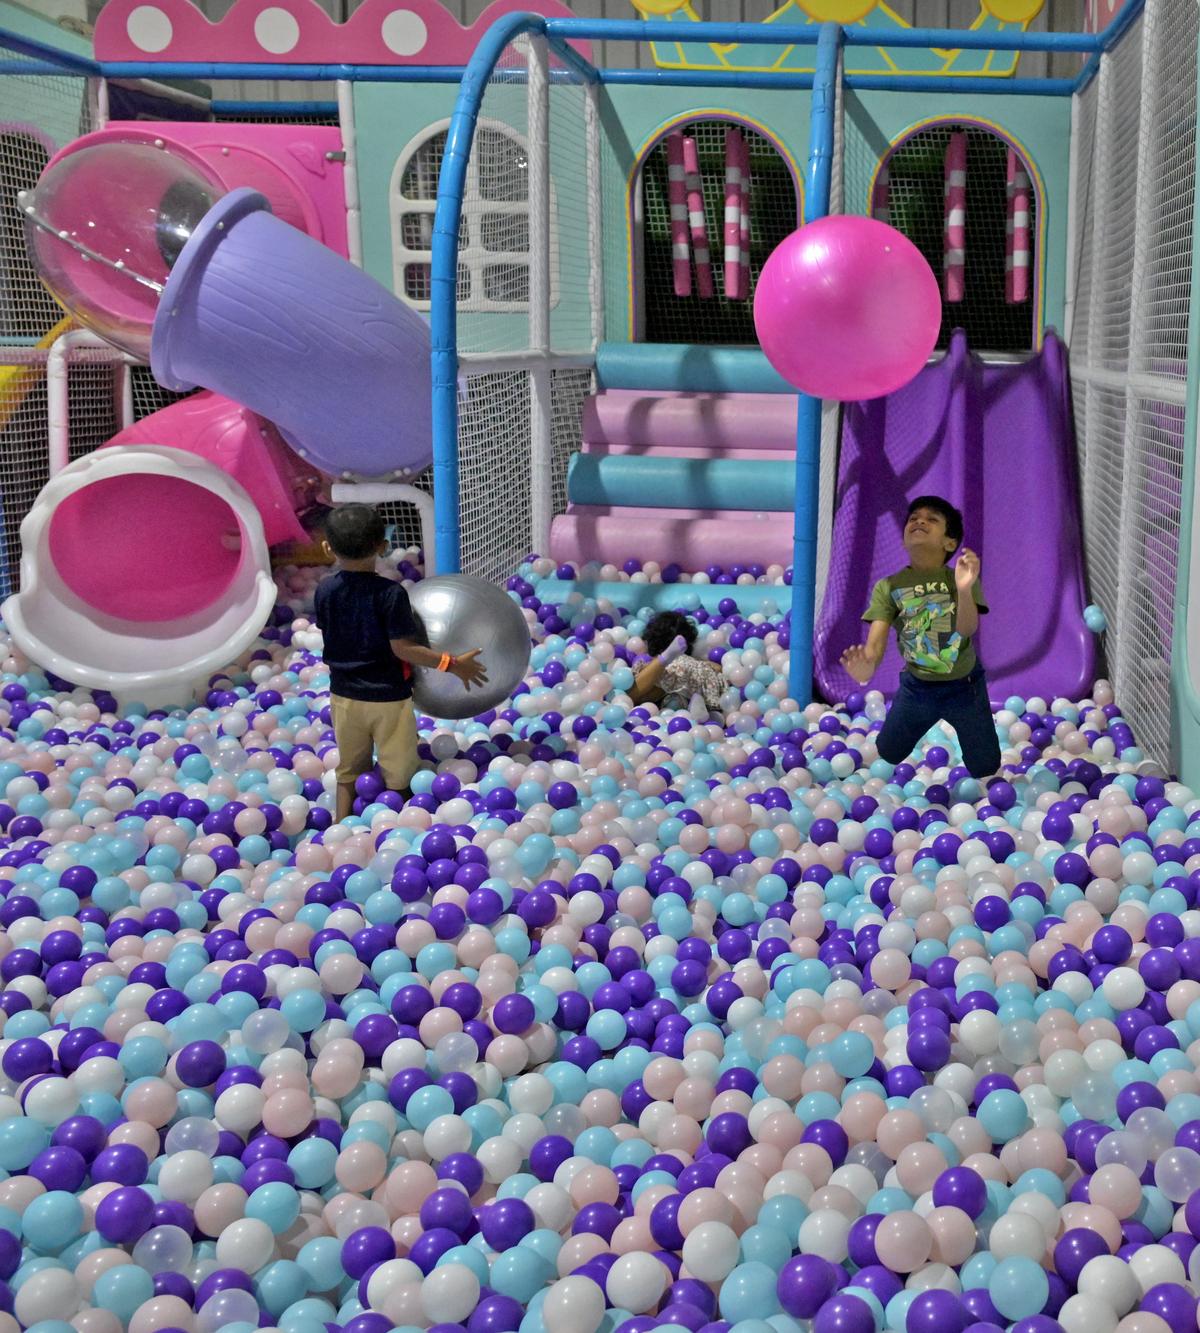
{"x": 1057, "y": 16}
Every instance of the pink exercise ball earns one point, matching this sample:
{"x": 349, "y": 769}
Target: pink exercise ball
{"x": 846, "y": 308}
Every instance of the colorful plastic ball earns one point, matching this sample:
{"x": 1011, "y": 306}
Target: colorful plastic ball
{"x": 847, "y": 276}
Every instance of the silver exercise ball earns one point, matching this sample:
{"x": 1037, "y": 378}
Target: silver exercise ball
{"x": 461, "y": 613}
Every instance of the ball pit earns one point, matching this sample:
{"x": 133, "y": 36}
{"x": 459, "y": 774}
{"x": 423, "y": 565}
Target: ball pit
{"x": 626, "y": 1021}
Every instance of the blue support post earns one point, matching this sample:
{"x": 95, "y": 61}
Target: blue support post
{"x": 818, "y": 181}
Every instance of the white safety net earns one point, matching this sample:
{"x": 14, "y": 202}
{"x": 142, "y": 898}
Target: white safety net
{"x": 1134, "y": 175}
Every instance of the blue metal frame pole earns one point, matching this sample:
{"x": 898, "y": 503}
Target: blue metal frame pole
{"x": 795, "y": 34}
{"x": 818, "y": 182}
{"x": 703, "y": 78}
{"x": 230, "y": 69}
{"x": 65, "y": 60}
{"x": 221, "y": 107}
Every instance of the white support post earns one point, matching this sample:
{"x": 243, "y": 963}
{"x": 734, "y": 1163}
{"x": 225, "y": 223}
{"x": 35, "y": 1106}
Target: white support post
{"x": 1075, "y": 215}
{"x": 541, "y": 502}
{"x": 101, "y": 104}
{"x": 125, "y": 394}
{"x": 595, "y": 211}
{"x": 837, "y": 180}
{"x": 58, "y": 412}
{"x": 1089, "y": 350}
{"x": 345, "y": 103}
{"x": 1131, "y": 558}
{"x": 393, "y": 492}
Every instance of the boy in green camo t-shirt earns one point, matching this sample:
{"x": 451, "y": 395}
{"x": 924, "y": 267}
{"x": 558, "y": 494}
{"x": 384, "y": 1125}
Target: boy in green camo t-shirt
{"x": 936, "y": 612}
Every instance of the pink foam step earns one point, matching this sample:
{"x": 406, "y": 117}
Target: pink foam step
{"x": 693, "y": 538}
{"x": 692, "y": 420}
{"x": 661, "y": 450}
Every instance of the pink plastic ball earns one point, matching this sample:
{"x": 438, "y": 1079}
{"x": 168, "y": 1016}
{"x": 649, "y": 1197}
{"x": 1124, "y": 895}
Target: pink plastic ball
{"x": 847, "y": 308}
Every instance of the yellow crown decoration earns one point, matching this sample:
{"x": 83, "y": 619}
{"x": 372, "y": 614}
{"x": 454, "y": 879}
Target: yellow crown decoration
{"x": 1001, "y": 17}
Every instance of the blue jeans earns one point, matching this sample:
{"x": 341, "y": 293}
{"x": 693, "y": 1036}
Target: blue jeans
{"x": 964, "y": 704}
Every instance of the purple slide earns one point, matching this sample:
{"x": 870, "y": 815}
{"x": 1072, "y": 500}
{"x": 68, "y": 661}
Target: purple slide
{"x": 997, "y": 441}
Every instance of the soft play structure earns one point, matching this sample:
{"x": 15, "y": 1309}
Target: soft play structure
{"x": 497, "y": 251}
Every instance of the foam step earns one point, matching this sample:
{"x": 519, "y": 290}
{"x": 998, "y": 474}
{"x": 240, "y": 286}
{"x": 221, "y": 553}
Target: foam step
{"x": 681, "y": 483}
{"x": 687, "y": 368}
{"x": 750, "y": 598}
{"x": 691, "y": 538}
{"x": 717, "y": 422}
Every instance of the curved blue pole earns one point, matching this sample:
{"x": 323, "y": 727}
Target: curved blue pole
{"x": 818, "y": 179}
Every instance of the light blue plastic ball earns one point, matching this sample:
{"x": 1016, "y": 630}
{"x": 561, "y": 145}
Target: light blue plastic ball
{"x": 1018, "y": 1287}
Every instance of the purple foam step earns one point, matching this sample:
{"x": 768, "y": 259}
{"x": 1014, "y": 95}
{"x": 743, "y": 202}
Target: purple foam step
{"x": 692, "y": 538}
{"x": 709, "y": 421}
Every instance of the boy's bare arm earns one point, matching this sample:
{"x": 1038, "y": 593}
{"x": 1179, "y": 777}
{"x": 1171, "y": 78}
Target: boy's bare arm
{"x": 966, "y": 575}
{"x": 465, "y": 667}
{"x": 861, "y": 660}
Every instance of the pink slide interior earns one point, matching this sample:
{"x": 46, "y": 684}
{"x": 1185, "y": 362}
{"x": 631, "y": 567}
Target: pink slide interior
{"x": 241, "y": 444}
{"x": 148, "y": 548}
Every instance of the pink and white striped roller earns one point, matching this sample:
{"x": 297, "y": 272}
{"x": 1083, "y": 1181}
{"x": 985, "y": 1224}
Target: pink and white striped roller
{"x": 955, "y": 241}
{"x": 681, "y": 253}
{"x": 744, "y": 222}
{"x": 881, "y": 207}
{"x": 699, "y": 230}
{"x": 733, "y": 216}
{"x": 737, "y": 216}
{"x": 1018, "y": 255}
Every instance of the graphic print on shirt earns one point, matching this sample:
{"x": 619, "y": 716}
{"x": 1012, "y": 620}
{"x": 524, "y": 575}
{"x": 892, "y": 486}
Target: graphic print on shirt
{"x": 926, "y": 630}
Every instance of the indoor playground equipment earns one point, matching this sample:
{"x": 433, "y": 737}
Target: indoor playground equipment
{"x": 697, "y": 1016}
{"x": 509, "y": 200}
{"x": 314, "y": 361}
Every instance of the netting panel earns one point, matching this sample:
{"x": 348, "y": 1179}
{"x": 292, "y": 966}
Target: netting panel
{"x": 573, "y": 212}
{"x": 1116, "y": 167}
{"x": 494, "y": 473}
{"x": 774, "y": 214}
{"x": 568, "y": 390}
{"x": 1167, "y": 280}
{"x": 916, "y": 206}
{"x": 1134, "y": 173}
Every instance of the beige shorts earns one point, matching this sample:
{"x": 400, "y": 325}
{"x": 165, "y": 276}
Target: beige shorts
{"x": 367, "y": 731}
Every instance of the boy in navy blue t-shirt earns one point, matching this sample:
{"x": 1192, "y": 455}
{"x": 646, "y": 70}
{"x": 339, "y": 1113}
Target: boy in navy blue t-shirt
{"x": 372, "y": 642}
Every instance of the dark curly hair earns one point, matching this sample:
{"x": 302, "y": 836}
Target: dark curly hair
{"x": 665, "y": 628}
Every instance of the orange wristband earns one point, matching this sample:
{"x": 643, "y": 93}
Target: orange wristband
{"x": 446, "y": 663}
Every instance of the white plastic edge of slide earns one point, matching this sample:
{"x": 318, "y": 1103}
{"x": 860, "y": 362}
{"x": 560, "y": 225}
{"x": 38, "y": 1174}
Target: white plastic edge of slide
{"x": 69, "y": 659}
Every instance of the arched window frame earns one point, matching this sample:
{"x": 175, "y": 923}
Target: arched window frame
{"x": 1037, "y": 185}
{"x": 478, "y": 263}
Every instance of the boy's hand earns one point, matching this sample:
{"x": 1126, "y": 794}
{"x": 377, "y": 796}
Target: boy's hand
{"x": 857, "y": 662}
{"x": 966, "y": 571}
{"x": 468, "y": 670}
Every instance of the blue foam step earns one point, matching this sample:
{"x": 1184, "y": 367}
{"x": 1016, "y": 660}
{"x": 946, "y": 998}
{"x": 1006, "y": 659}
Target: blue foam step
{"x": 760, "y": 485}
{"x": 750, "y": 599}
{"x": 687, "y": 368}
